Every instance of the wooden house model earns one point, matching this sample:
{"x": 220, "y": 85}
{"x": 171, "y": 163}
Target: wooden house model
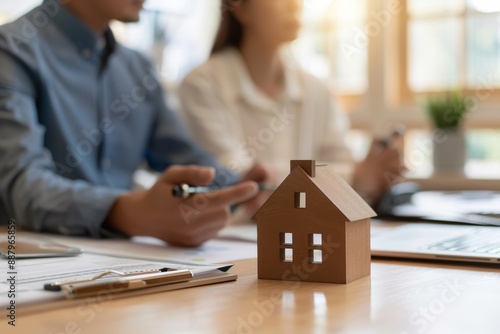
{"x": 314, "y": 227}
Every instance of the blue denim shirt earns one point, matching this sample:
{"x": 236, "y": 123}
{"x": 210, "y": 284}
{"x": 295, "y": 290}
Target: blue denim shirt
{"x": 78, "y": 114}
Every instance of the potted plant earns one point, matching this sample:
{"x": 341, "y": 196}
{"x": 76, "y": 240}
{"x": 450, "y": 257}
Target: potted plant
{"x": 447, "y": 114}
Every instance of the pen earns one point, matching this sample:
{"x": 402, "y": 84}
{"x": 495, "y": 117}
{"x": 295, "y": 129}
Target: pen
{"x": 106, "y": 286}
{"x": 184, "y": 190}
{"x": 56, "y": 286}
{"x": 397, "y": 132}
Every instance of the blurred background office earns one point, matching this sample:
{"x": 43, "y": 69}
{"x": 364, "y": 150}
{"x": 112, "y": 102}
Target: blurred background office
{"x": 384, "y": 58}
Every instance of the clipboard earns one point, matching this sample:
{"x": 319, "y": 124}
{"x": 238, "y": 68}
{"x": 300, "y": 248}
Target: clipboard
{"x": 34, "y": 273}
{"x": 29, "y": 246}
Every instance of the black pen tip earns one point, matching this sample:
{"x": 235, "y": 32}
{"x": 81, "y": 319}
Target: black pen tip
{"x": 52, "y": 287}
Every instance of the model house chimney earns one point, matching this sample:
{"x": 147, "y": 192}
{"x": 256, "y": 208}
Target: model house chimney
{"x": 309, "y": 166}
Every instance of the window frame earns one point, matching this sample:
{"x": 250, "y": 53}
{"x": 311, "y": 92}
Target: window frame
{"x": 389, "y": 99}
{"x": 405, "y": 95}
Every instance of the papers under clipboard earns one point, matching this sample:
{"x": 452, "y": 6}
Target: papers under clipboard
{"x": 143, "y": 276}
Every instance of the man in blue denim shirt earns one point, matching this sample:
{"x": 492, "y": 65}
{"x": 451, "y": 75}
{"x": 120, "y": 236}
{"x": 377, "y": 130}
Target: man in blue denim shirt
{"x": 78, "y": 114}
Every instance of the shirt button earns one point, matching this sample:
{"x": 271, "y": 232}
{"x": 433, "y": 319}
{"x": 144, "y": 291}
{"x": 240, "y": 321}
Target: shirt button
{"x": 106, "y": 163}
{"x": 86, "y": 53}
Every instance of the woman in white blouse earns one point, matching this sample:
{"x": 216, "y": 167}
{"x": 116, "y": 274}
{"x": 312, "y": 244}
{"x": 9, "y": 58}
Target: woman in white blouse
{"x": 250, "y": 101}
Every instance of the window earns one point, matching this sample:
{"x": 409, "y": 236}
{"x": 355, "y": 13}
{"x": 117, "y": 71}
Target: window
{"x": 177, "y": 35}
{"x": 325, "y": 47}
{"x": 315, "y": 251}
{"x": 316, "y": 239}
{"x": 462, "y": 44}
{"x": 11, "y": 10}
{"x": 286, "y": 238}
{"x": 483, "y": 156}
{"x": 286, "y": 253}
{"x": 462, "y": 51}
{"x": 300, "y": 200}
{"x": 385, "y": 57}
{"x": 316, "y": 256}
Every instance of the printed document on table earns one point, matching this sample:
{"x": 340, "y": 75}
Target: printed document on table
{"x": 32, "y": 274}
{"x": 213, "y": 251}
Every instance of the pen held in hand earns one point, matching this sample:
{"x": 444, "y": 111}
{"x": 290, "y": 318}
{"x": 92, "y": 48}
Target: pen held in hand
{"x": 397, "y": 133}
{"x": 184, "y": 190}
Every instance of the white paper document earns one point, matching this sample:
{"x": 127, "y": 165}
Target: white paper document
{"x": 27, "y": 282}
{"x": 212, "y": 251}
{"x": 243, "y": 232}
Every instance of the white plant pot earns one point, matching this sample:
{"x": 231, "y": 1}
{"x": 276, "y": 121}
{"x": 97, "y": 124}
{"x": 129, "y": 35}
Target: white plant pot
{"x": 449, "y": 151}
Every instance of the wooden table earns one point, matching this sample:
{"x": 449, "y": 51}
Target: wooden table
{"x": 399, "y": 297}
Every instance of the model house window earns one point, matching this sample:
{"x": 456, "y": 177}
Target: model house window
{"x": 300, "y": 200}
{"x": 315, "y": 251}
{"x": 316, "y": 256}
{"x": 316, "y": 239}
{"x": 286, "y": 239}
{"x": 286, "y": 255}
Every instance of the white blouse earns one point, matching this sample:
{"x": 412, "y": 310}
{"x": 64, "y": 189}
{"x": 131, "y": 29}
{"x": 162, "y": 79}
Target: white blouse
{"x": 231, "y": 118}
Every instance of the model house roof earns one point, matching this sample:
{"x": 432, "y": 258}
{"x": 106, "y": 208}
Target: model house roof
{"x": 334, "y": 187}
{"x": 341, "y": 194}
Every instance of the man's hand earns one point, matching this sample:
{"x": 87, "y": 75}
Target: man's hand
{"x": 188, "y": 222}
{"x": 262, "y": 174}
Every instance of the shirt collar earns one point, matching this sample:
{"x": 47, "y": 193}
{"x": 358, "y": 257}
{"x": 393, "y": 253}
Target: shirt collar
{"x": 244, "y": 87}
{"x": 86, "y": 41}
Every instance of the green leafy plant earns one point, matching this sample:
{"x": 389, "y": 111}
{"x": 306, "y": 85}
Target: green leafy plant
{"x": 447, "y": 112}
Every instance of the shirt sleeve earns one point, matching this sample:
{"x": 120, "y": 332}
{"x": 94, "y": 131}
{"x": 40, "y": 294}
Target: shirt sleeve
{"x": 209, "y": 120}
{"x": 31, "y": 191}
{"x": 172, "y": 143}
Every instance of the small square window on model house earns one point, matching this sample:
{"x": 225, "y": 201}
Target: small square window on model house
{"x": 286, "y": 238}
{"x": 286, "y": 255}
{"x": 315, "y": 256}
{"x": 315, "y": 239}
{"x": 300, "y": 200}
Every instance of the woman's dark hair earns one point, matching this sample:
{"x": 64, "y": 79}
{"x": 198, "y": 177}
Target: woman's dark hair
{"x": 230, "y": 30}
